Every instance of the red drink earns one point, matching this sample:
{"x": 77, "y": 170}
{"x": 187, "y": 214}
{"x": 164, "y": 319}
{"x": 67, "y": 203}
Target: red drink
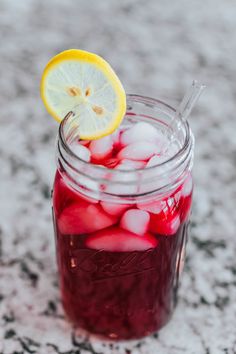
{"x": 119, "y": 259}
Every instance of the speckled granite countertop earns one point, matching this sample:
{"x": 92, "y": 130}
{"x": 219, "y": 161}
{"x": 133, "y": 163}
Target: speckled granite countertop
{"x": 157, "y": 48}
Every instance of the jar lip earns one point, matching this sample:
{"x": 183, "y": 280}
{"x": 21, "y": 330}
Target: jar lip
{"x": 139, "y": 99}
{"x": 147, "y": 100}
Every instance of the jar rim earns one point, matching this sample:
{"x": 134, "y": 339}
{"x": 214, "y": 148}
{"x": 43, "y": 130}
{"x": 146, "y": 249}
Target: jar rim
{"x": 139, "y": 99}
{"x": 174, "y": 166}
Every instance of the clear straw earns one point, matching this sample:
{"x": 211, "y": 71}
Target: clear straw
{"x": 189, "y": 101}
{"x": 184, "y": 109}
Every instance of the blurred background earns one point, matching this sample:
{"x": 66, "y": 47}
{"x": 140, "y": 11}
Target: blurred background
{"x": 156, "y": 48}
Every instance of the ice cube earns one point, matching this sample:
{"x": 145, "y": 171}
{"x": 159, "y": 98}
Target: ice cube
{"x": 155, "y": 177}
{"x": 154, "y": 160}
{"x": 101, "y": 148}
{"x": 135, "y": 221}
{"x": 73, "y": 194}
{"x": 157, "y": 159}
{"x": 121, "y": 189}
{"x": 114, "y": 208}
{"x": 118, "y": 189}
{"x": 81, "y": 151}
{"x": 154, "y": 207}
{"x": 83, "y": 217}
{"x": 130, "y": 165}
{"x": 141, "y": 131}
{"x": 171, "y": 148}
{"x": 167, "y": 206}
{"x": 88, "y": 183}
{"x": 166, "y": 224}
{"x": 123, "y": 183}
{"x": 115, "y": 239}
{"x": 141, "y": 150}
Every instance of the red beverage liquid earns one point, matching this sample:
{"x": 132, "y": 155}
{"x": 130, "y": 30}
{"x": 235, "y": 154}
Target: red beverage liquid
{"x": 116, "y": 282}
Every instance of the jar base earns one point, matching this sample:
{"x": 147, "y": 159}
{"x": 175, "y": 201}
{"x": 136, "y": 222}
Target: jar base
{"x": 83, "y": 330}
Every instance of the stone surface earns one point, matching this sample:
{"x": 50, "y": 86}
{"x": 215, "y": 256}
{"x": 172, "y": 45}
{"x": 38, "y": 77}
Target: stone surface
{"x": 157, "y": 48}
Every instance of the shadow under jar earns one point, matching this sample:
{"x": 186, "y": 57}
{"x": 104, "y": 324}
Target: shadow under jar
{"x": 113, "y": 282}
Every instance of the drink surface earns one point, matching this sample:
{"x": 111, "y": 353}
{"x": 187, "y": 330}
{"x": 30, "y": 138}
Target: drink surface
{"x": 119, "y": 263}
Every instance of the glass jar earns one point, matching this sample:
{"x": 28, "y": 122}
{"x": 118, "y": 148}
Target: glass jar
{"x": 114, "y": 282}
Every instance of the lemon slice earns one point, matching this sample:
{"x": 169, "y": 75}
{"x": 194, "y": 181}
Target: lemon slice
{"x": 84, "y": 83}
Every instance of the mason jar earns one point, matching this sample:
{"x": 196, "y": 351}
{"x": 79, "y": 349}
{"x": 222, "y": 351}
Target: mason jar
{"x": 113, "y": 282}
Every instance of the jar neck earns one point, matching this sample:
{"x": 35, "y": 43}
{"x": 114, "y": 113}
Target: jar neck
{"x": 113, "y": 185}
